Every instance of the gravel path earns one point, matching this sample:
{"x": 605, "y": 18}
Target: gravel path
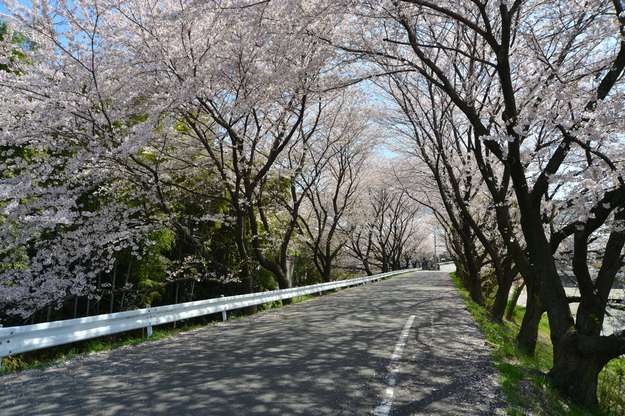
{"x": 328, "y": 356}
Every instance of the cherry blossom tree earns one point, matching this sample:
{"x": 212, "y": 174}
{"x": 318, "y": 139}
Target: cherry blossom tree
{"x": 333, "y": 189}
{"x": 120, "y": 115}
{"x": 115, "y": 99}
{"x": 540, "y": 85}
{"x": 382, "y": 223}
{"x": 64, "y": 214}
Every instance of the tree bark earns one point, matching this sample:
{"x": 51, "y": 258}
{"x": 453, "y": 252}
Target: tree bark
{"x": 574, "y": 373}
{"x": 513, "y": 301}
{"x": 528, "y": 333}
{"x": 326, "y": 276}
{"x": 503, "y": 291}
{"x": 473, "y": 282}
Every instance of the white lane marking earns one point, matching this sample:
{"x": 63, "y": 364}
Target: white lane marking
{"x": 384, "y": 408}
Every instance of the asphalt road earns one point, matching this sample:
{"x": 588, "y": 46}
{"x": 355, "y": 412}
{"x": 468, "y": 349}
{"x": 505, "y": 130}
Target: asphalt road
{"x": 402, "y": 346}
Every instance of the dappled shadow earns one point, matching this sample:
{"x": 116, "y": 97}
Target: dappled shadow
{"x": 447, "y": 368}
{"x": 325, "y": 356}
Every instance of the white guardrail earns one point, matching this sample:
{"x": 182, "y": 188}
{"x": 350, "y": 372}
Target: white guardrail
{"x": 17, "y": 339}
{"x": 448, "y": 266}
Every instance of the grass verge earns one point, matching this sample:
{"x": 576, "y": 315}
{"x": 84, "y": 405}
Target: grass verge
{"x": 523, "y": 378}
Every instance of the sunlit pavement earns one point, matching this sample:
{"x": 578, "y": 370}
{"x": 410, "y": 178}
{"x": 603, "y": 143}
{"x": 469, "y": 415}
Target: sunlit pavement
{"x": 327, "y": 356}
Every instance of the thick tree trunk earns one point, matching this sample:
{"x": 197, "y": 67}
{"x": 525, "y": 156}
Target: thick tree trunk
{"x": 476, "y": 290}
{"x": 250, "y": 286}
{"x": 578, "y": 357}
{"x": 474, "y": 283}
{"x": 574, "y": 373}
{"x": 367, "y": 268}
{"x": 582, "y": 352}
{"x": 470, "y": 277}
{"x": 528, "y": 333}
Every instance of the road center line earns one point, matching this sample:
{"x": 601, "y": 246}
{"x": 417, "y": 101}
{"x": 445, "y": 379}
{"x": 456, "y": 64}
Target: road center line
{"x": 384, "y": 408}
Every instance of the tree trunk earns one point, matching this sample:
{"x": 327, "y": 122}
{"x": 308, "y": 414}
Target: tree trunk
{"x": 326, "y": 276}
{"x": 176, "y": 298}
{"x": 283, "y": 283}
{"x": 528, "y": 333}
{"x": 574, "y": 373}
{"x": 513, "y": 301}
{"x": 476, "y": 290}
{"x": 367, "y": 268}
{"x": 250, "y": 286}
{"x": 75, "y": 306}
{"x": 112, "y": 298}
{"x": 474, "y": 284}
{"x": 501, "y": 297}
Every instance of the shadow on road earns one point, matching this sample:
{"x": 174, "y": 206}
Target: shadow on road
{"x": 327, "y": 356}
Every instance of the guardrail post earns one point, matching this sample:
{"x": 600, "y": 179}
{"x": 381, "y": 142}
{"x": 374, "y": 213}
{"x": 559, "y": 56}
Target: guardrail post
{"x": 1, "y": 357}
{"x": 224, "y": 316}
{"x": 149, "y": 328}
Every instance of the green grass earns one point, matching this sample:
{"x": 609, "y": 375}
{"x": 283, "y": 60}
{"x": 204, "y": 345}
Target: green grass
{"x": 611, "y": 391}
{"x": 523, "y": 377}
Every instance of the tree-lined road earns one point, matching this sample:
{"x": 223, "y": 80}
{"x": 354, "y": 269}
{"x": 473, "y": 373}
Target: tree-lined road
{"x": 334, "y": 355}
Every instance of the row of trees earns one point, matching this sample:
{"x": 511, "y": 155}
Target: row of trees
{"x": 227, "y": 132}
{"x": 164, "y": 152}
{"x": 515, "y": 109}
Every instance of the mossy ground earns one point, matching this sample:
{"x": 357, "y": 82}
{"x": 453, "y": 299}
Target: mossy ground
{"x": 523, "y": 377}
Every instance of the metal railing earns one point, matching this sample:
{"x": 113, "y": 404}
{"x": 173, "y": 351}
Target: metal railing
{"x": 448, "y": 266}
{"x": 17, "y": 339}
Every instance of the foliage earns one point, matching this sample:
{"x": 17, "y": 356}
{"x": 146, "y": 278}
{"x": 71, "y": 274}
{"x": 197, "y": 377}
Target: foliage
{"x": 515, "y": 109}
{"x": 151, "y": 270}
{"x": 106, "y": 142}
{"x": 246, "y": 130}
